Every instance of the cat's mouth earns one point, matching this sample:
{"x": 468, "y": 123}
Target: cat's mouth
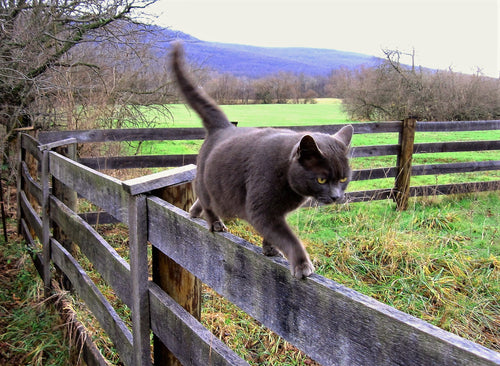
{"x": 328, "y": 200}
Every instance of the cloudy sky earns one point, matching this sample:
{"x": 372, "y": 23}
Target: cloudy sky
{"x": 462, "y": 34}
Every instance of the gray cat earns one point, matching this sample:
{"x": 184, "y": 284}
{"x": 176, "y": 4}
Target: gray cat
{"x": 260, "y": 175}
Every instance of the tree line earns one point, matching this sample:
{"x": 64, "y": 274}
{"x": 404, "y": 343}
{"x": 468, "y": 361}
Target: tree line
{"x": 387, "y": 91}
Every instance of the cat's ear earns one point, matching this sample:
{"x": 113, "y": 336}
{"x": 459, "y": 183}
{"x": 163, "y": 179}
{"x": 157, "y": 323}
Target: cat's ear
{"x": 308, "y": 152}
{"x": 345, "y": 135}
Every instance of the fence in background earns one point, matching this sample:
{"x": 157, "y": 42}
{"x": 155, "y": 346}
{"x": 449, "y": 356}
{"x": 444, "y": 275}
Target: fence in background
{"x": 403, "y": 151}
{"x": 334, "y": 325}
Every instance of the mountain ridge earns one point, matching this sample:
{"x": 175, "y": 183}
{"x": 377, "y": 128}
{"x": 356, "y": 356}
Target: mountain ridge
{"x": 255, "y": 61}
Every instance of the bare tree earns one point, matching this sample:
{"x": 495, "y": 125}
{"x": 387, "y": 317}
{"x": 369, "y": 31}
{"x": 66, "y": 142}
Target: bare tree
{"x": 394, "y": 91}
{"x": 36, "y": 37}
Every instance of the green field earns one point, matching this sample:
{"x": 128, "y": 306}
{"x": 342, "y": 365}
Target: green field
{"x": 326, "y": 111}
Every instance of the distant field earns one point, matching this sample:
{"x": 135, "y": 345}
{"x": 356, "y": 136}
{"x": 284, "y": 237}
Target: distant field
{"x": 329, "y": 111}
{"x": 326, "y": 111}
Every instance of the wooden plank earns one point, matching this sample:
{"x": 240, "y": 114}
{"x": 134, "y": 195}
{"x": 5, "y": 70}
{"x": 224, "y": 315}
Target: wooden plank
{"x": 333, "y": 324}
{"x": 105, "y": 314}
{"x": 457, "y": 188}
{"x": 358, "y": 196}
{"x": 69, "y": 198}
{"x": 128, "y": 134}
{"x": 100, "y": 189}
{"x": 113, "y": 268}
{"x": 359, "y": 128}
{"x": 152, "y": 134}
{"x": 30, "y": 185}
{"x": 431, "y": 190}
{"x": 369, "y": 151}
{"x": 472, "y": 166}
{"x": 369, "y": 195}
{"x": 34, "y": 249}
{"x": 98, "y": 218}
{"x": 159, "y": 180}
{"x": 30, "y": 144}
{"x": 139, "y": 273}
{"x": 447, "y": 126}
{"x": 58, "y": 143}
{"x": 428, "y": 169}
{"x": 46, "y": 224}
{"x": 377, "y": 173}
{"x": 199, "y": 133}
{"x": 158, "y": 161}
{"x": 138, "y": 161}
{"x": 457, "y": 146}
{"x": 30, "y": 215}
{"x": 377, "y": 127}
{"x": 21, "y": 156}
{"x": 181, "y": 285}
{"x": 190, "y": 342}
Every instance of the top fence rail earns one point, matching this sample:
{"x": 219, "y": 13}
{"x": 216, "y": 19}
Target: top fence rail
{"x": 196, "y": 133}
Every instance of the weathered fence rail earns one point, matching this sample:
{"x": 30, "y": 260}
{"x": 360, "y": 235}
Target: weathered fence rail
{"x": 331, "y": 323}
{"x": 151, "y": 161}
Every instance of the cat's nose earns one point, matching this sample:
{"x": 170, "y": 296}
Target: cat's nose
{"x": 337, "y": 195}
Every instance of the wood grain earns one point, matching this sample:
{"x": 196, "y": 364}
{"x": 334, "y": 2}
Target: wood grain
{"x": 187, "y": 339}
{"x": 100, "y": 189}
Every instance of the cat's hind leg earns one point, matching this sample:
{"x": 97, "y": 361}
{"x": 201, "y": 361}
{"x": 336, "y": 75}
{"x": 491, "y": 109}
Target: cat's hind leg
{"x": 269, "y": 250}
{"x": 196, "y": 209}
{"x": 214, "y": 222}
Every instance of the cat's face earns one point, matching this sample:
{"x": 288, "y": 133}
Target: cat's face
{"x": 319, "y": 166}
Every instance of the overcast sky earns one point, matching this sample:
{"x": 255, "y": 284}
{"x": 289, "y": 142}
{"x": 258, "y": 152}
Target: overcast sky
{"x": 463, "y": 34}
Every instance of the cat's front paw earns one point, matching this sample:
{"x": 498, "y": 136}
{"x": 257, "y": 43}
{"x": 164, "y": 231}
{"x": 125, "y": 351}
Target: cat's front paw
{"x": 218, "y": 226}
{"x": 303, "y": 269}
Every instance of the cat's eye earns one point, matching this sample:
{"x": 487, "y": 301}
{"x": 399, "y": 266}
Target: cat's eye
{"x": 321, "y": 180}
{"x": 343, "y": 180}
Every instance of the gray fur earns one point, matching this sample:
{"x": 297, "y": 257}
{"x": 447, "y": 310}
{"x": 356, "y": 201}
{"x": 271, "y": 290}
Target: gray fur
{"x": 260, "y": 175}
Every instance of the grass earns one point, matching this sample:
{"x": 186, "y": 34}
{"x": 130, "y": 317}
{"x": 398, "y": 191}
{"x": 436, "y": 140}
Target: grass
{"x": 328, "y": 111}
{"x": 31, "y": 331}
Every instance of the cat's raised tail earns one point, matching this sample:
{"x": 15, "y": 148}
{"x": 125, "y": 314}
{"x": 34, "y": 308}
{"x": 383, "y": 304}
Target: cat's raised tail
{"x": 212, "y": 116}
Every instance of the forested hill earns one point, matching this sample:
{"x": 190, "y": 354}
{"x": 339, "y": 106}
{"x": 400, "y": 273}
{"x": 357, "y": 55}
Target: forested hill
{"x": 255, "y": 62}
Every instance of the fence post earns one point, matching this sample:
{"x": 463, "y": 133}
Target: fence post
{"x": 46, "y": 223}
{"x": 69, "y": 198}
{"x": 66, "y": 196}
{"x": 402, "y": 184}
{"x": 138, "y": 237}
{"x": 20, "y": 184}
{"x": 177, "y": 282}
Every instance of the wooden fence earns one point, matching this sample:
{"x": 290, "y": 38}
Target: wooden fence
{"x": 403, "y": 151}
{"x": 333, "y": 324}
